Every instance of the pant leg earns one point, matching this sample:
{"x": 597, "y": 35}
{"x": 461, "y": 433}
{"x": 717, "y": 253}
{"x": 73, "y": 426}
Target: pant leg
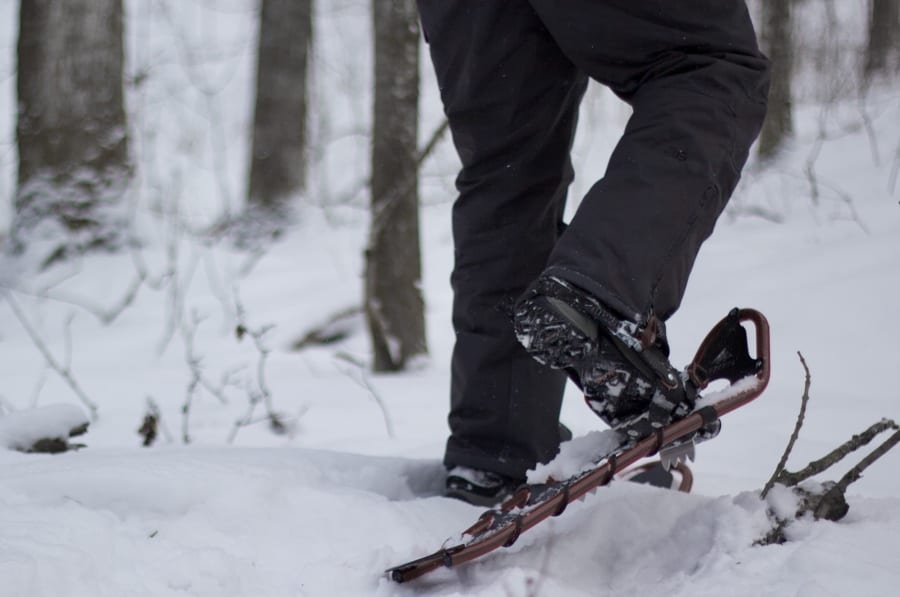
{"x": 697, "y": 83}
{"x": 511, "y": 98}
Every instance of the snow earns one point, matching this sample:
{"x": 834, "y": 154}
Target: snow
{"x": 351, "y": 484}
{"x": 20, "y": 430}
{"x": 575, "y": 456}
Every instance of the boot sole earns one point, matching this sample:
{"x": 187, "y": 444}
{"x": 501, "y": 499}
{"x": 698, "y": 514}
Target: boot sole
{"x": 555, "y": 334}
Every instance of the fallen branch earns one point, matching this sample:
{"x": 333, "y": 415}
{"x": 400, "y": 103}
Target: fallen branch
{"x": 337, "y": 327}
{"x": 804, "y": 400}
{"x": 821, "y": 465}
{"x": 827, "y": 500}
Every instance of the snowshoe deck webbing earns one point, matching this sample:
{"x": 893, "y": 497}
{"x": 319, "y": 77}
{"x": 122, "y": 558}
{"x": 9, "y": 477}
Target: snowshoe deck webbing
{"x": 723, "y": 354}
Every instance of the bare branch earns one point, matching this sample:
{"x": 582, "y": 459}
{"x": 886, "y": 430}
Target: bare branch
{"x": 401, "y": 187}
{"x": 186, "y": 411}
{"x": 870, "y": 130}
{"x": 61, "y": 370}
{"x": 261, "y": 394}
{"x": 895, "y": 170}
{"x": 337, "y": 327}
{"x": 432, "y": 142}
{"x": 105, "y": 316}
{"x": 856, "y": 472}
{"x": 362, "y": 379}
{"x": 779, "y": 470}
{"x": 198, "y": 379}
{"x": 854, "y": 443}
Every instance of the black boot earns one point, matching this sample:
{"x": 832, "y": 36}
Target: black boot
{"x": 621, "y": 366}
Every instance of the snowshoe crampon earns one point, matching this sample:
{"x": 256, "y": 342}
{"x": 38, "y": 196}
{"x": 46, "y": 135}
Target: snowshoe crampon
{"x": 723, "y": 355}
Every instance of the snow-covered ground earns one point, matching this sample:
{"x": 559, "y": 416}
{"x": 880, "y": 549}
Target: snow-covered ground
{"x": 351, "y": 484}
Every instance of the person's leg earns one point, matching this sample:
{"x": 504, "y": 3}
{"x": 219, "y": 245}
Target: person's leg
{"x": 698, "y": 84}
{"x": 511, "y": 98}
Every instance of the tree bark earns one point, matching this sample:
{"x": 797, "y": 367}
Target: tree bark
{"x": 71, "y": 127}
{"x": 776, "y": 40}
{"x": 393, "y": 302}
{"x": 278, "y": 155}
{"x": 884, "y": 30}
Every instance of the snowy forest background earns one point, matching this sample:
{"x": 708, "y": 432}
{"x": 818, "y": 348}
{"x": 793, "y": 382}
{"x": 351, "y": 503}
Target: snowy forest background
{"x": 267, "y": 404}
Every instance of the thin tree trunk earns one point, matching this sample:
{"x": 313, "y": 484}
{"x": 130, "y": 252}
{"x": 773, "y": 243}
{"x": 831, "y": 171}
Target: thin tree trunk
{"x": 278, "y": 156}
{"x": 776, "y": 41}
{"x": 394, "y": 304}
{"x": 71, "y": 128}
{"x": 884, "y": 30}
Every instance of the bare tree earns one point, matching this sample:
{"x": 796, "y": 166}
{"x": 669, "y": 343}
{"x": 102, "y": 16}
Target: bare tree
{"x": 393, "y": 299}
{"x": 884, "y": 35}
{"x": 776, "y": 41}
{"x": 278, "y": 155}
{"x": 71, "y": 127}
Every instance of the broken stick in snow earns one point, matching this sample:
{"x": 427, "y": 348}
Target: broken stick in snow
{"x": 828, "y": 501}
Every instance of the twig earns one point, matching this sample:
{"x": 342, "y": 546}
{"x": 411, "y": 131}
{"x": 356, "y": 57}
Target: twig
{"x": 67, "y": 340}
{"x": 363, "y": 380}
{"x": 264, "y": 351}
{"x": 154, "y": 409}
{"x": 870, "y": 130}
{"x": 895, "y": 170}
{"x": 38, "y": 387}
{"x": 811, "y": 158}
{"x": 393, "y": 196}
{"x": 186, "y": 411}
{"x": 779, "y": 470}
{"x": 856, "y": 472}
{"x": 261, "y": 393}
{"x": 432, "y": 143}
{"x": 198, "y": 379}
{"x": 245, "y": 420}
{"x": 105, "y": 316}
{"x": 854, "y": 443}
{"x": 177, "y": 287}
{"x": 208, "y": 91}
{"x": 403, "y": 186}
{"x": 195, "y": 363}
{"x": 61, "y": 370}
{"x": 337, "y": 327}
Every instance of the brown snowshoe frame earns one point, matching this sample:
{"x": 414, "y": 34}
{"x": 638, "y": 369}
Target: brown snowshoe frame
{"x": 723, "y": 354}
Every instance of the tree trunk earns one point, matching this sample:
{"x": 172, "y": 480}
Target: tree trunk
{"x": 394, "y": 304}
{"x": 278, "y": 155}
{"x": 777, "y": 43}
{"x": 884, "y": 30}
{"x": 71, "y": 128}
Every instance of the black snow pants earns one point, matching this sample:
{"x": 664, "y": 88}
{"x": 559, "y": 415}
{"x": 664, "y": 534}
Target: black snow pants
{"x": 512, "y": 74}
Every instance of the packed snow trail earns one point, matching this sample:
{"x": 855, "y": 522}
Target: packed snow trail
{"x": 224, "y": 522}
